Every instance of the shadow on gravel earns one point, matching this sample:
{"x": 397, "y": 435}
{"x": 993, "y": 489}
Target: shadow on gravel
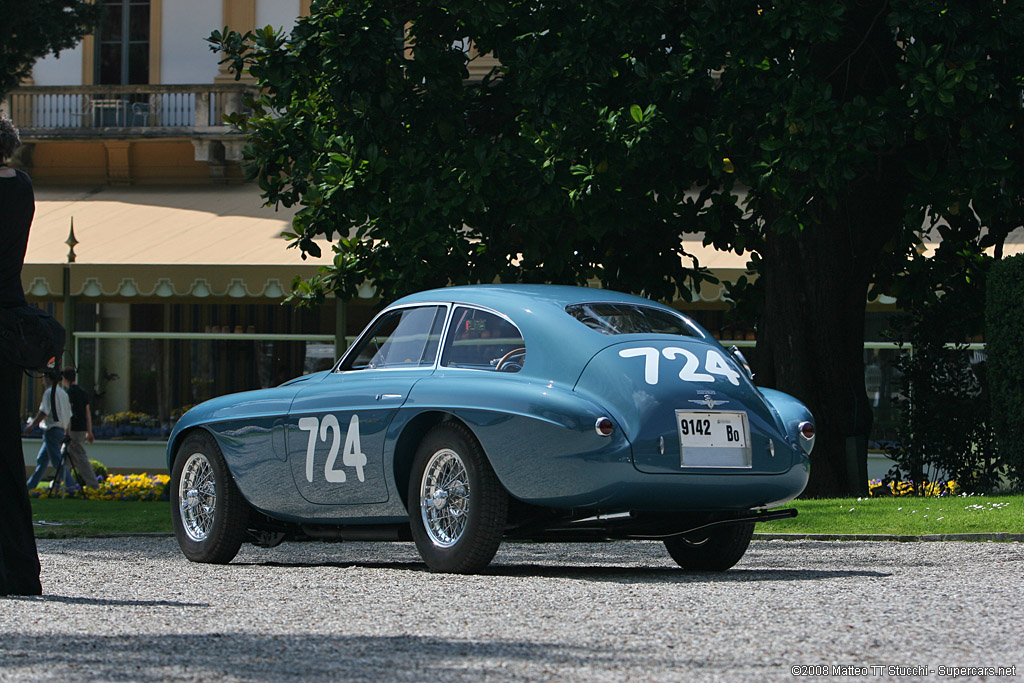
{"x": 205, "y": 656}
{"x": 673, "y": 575}
{"x": 613, "y": 574}
{"x": 100, "y": 602}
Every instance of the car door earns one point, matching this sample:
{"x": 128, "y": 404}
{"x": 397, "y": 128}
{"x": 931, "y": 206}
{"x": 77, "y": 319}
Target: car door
{"x": 336, "y": 428}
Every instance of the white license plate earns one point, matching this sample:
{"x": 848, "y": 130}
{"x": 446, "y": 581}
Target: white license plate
{"x": 712, "y": 429}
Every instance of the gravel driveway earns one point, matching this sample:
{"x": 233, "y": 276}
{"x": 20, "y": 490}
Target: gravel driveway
{"x": 135, "y": 609}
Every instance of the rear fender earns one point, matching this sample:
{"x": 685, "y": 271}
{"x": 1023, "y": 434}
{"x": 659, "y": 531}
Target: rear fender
{"x": 540, "y": 438}
{"x": 793, "y": 413}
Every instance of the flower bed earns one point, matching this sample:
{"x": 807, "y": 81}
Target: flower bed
{"x": 130, "y": 425}
{"x": 120, "y": 487}
{"x": 928, "y": 489}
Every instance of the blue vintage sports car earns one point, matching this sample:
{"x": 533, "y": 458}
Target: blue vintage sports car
{"x": 467, "y": 415}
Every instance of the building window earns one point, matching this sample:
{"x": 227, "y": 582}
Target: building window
{"x": 122, "y": 43}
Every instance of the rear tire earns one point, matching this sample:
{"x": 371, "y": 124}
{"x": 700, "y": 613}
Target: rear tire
{"x": 711, "y": 550}
{"x": 207, "y": 509}
{"x": 457, "y": 506}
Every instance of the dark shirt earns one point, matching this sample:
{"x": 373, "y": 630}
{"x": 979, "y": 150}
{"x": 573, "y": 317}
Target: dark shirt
{"x": 79, "y": 405}
{"x": 17, "y": 206}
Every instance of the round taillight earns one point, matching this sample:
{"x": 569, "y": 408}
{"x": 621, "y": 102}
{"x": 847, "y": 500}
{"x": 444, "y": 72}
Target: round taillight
{"x": 604, "y": 426}
{"x": 806, "y": 430}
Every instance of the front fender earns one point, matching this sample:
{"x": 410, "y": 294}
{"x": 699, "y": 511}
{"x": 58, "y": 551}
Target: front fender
{"x": 247, "y": 407}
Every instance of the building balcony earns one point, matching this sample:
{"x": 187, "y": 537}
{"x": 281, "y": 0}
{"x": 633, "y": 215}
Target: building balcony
{"x": 127, "y": 134}
{"x": 124, "y": 111}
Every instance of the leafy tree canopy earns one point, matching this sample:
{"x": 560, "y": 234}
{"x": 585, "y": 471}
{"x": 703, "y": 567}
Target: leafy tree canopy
{"x": 30, "y": 30}
{"x": 824, "y": 138}
{"x": 579, "y": 155}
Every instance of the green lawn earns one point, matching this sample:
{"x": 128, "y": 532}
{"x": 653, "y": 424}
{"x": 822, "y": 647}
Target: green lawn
{"x": 904, "y": 516}
{"x": 101, "y": 517}
{"x": 894, "y": 516}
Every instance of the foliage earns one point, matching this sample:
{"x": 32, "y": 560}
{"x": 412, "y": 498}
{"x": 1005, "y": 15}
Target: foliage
{"x": 129, "y": 417}
{"x": 1004, "y": 333}
{"x": 128, "y": 487}
{"x": 563, "y": 164}
{"x": 31, "y": 30}
{"x": 130, "y": 424}
{"x": 131, "y": 487}
{"x": 181, "y": 410}
{"x": 818, "y": 136}
{"x": 587, "y": 141}
{"x": 99, "y": 469}
{"x": 928, "y": 489}
{"x": 946, "y": 425}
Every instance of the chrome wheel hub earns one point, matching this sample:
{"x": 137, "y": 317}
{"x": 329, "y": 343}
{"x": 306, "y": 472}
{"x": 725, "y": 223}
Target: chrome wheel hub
{"x": 440, "y": 499}
{"x": 444, "y": 498}
{"x": 197, "y": 497}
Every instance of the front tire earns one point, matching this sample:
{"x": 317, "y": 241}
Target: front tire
{"x": 711, "y": 550}
{"x": 207, "y": 509}
{"x": 457, "y": 506}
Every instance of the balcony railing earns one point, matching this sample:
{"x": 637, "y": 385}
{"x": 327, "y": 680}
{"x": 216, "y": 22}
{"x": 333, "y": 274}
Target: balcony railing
{"x": 124, "y": 110}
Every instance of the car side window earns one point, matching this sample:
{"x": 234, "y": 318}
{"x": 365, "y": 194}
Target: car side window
{"x": 405, "y": 338}
{"x": 481, "y": 340}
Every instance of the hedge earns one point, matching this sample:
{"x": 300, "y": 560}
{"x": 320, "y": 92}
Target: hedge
{"x": 1004, "y": 340}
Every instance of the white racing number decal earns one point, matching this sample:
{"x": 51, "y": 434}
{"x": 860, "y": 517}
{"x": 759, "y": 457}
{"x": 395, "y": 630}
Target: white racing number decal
{"x": 714, "y": 364}
{"x": 352, "y": 456}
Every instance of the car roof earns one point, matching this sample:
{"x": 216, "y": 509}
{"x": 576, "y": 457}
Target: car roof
{"x": 557, "y": 295}
{"x": 558, "y": 345}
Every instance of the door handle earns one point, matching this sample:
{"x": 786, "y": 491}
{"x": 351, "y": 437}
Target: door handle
{"x": 388, "y": 397}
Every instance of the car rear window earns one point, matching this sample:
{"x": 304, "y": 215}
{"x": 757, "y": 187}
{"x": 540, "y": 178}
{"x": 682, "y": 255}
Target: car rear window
{"x": 617, "y": 318}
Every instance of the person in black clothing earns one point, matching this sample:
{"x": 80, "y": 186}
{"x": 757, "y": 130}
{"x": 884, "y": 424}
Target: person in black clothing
{"x": 19, "y": 560}
{"x": 80, "y": 430}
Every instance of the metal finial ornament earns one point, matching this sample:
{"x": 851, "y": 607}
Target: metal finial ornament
{"x": 71, "y": 242}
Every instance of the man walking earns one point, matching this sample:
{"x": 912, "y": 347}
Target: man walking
{"x": 54, "y": 414}
{"x": 80, "y": 429}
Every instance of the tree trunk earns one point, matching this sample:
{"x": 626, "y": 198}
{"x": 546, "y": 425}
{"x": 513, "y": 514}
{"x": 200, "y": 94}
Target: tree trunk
{"x": 811, "y": 335}
{"x": 810, "y": 340}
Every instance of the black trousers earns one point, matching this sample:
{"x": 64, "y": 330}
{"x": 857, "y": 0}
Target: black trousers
{"x": 19, "y": 561}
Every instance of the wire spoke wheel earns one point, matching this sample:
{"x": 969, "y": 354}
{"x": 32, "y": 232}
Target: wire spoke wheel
{"x": 197, "y": 497}
{"x": 457, "y": 506}
{"x": 207, "y": 509}
{"x": 444, "y": 498}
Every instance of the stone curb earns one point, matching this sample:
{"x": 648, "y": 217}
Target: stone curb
{"x": 996, "y": 537}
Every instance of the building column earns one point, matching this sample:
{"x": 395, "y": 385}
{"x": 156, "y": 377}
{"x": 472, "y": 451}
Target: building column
{"x": 115, "y": 359}
{"x": 238, "y": 15}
